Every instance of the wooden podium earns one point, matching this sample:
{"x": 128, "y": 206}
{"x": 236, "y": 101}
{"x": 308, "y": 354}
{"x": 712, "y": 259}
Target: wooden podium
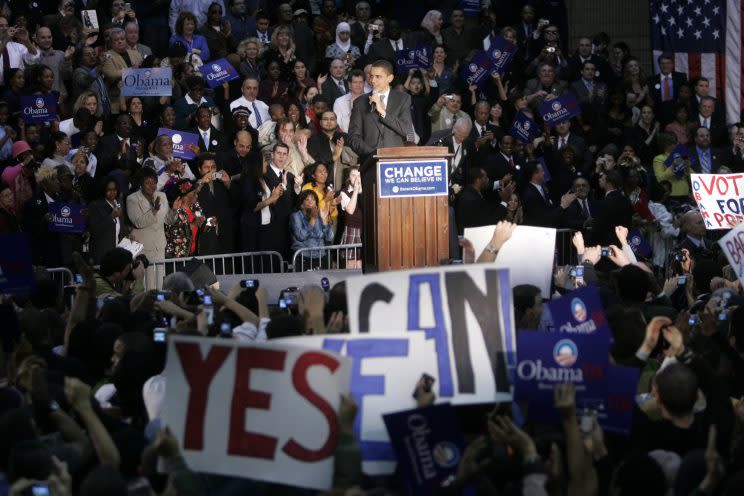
{"x": 403, "y": 232}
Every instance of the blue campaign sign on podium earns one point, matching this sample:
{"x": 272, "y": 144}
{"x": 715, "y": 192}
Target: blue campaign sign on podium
{"x": 412, "y": 178}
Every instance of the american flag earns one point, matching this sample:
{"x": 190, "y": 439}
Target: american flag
{"x": 705, "y": 38}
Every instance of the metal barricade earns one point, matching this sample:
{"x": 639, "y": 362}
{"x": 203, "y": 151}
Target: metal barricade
{"x": 61, "y": 275}
{"x": 258, "y": 262}
{"x": 331, "y": 257}
{"x": 566, "y": 253}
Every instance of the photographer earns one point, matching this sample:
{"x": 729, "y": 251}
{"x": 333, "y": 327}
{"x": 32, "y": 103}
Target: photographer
{"x": 119, "y": 274}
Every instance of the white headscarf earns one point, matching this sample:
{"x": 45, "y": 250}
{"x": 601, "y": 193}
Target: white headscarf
{"x": 340, "y": 28}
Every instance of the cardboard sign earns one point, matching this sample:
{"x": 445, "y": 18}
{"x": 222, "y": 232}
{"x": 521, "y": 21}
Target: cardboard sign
{"x": 155, "y": 81}
{"x": 524, "y": 129}
{"x": 502, "y": 53}
{"x": 638, "y": 244}
{"x": 547, "y": 359}
{"x": 39, "y": 108}
{"x": 16, "y": 270}
{"x": 66, "y": 218}
{"x": 385, "y": 369}
{"x": 414, "y": 178}
{"x": 528, "y": 254}
{"x": 267, "y": 412}
{"x": 478, "y": 69}
{"x": 580, "y": 312}
{"x": 217, "y": 72}
{"x": 428, "y": 446}
{"x": 560, "y": 109}
{"x": 733, "y": 246}
{"x": 679, "y": 152}
{"x": 720, "y": 198}
{"x": 413, "y": 58}
{"x": 181, "y": 142}
{"x": 465, "y": 310}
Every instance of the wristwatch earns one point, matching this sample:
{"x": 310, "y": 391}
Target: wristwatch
{"x": 491, "y": 249}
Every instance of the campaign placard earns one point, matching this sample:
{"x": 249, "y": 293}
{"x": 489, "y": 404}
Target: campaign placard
{"x": 733, "y": 246}
{"x": 471, "y": 8}
{"x": 217, "y": 72}
{"x": 428, "y": 445}
{"x": 502, "y": 53}
{"x": 580, "y": 312}
{"x": 90, "y": 20}
{"x": 528, "y": 254}
{"x": 66, "y": 218}
{"x": 548, "y": 359}
{"x": 39, "y": 108}
{"x": 152, "y": 81}
{"x": 559, "y": 109}
{"x": 524, "y": 129}
{"x": 16, "y": 270}
{"x": 639, "y": 244}
{"x": 478, "y": 69}
{"x": 412, "y": 178}
{"x": 413, "y": 58}
{"x": 622, "y": 385}
{"x": 720, "y": 198}
{"x": 385, "y": 369}
{"x": 263, "y": 411}
{"x": 182, "y": 142}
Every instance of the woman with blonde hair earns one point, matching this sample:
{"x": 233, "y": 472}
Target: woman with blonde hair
{"x": 282, "y": 50}
{"x": 249, "y": 51}
{"x": 432, "y": 27}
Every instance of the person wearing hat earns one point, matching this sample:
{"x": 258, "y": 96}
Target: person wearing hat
{"x": 186, "y": 219}
{"x": 301, "y": 16}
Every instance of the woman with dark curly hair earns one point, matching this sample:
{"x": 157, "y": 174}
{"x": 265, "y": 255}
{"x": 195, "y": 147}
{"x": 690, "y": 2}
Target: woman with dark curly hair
{"x": 181, "y": 235}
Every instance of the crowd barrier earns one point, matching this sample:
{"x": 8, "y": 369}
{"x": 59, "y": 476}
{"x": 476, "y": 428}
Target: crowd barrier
{"x": 61, "y": 275}
{"x": 565, "y": 251}
{"x": 331, "y": 257}
{"x": 257, "y": 262}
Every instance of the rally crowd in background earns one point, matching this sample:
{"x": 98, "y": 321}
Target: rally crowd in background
{"x": 82, "y": 387}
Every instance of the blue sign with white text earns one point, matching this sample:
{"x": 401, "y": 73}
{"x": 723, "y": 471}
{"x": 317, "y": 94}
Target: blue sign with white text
{"x": 546, "y": 359}
{"x": 66, "y": 218}
{"x": 153, "y": 81}
{"x": 182, "y": 142}
{"x": 413, "y": 58}
{"x": 622, "y": 384}
{"x": 524, "y": 129}
{"x": 428, "y": 446}
{"x": 502, "y": 52}
{"x": 217, "y": 72}
{"x": 478, "y": 69}
{"x": 580, "y": 312}
{"x": 16, "y": 271}
{"x": 471, "y": 8}
{"x": 559, "y": 109}
{"x": 39, "y": 108}
{"x": 415, "y": 178}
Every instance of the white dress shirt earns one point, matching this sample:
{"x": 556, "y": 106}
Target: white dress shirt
{"x": 19, "y": 57}
{"x": 262, "y": 108}
{"x": 342, "y": 109}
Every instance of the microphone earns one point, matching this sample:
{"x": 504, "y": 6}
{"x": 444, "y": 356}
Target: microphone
{"x": 441, "y": 141}
{"x": 372, "y": 105}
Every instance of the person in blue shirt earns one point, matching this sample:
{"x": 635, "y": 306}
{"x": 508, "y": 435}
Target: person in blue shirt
{"x": 195, "y": 44}
{"x": 309, "y": 231}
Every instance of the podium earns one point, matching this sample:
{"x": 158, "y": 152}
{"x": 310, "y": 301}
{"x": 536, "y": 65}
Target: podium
{"x": 406, "y": 208}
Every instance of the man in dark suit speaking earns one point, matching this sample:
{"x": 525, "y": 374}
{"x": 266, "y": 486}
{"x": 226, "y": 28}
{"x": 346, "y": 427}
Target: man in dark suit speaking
{"x": 380, "y": 119}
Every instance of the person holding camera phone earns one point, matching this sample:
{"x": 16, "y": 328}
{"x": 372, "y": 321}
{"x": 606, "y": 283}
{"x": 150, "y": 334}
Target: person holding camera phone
{"x": 217, "y": 232}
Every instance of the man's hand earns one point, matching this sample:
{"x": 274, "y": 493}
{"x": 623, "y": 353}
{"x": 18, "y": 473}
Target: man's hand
{"x": 653, "y": 330}
{"x": 501, "y": 428}
{"x": 564, "y": 400}
{"x": 506, "y": 192}
{"x": 670, "y": 286}
{"x": 618, "y": 256}
{"x": 424, "y": 398}
{"x": 622, "y": 234}
{"x": 77, "y": 393}
{"x": 567, "y": 200}
{"x": 578, "y": 242}
{"x": 374, "y": 100}
{"x": 674, "y": 338}
{"x": 501, "y": 234}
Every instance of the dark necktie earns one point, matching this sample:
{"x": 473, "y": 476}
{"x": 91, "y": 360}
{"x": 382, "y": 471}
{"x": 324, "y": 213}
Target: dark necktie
{"x": 584, "y": 208}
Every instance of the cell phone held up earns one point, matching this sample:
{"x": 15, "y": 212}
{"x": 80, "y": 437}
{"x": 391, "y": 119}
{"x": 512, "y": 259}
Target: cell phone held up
{"x": 428, "y": 383}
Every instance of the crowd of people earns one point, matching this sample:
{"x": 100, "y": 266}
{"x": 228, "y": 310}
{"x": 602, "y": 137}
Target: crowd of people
{"x": 277, "y": 168}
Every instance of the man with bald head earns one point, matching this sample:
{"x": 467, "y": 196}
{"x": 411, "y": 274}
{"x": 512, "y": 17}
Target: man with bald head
{"x": 59, "y": 62}
{"x": 240, "y": 156}
{"x": 692, "y": 225}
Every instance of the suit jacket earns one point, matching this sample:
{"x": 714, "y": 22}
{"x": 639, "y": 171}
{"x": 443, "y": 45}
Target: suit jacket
{"x": 216, "y": 203}
{"x": 574, "y": 217}
{"x": 459, "y": 174}
{"x": 46, "y": 248}
{"x": 331, "y": 91}
{"x": 718, "y": 158}
{"x": 473, "y": 210}
{"x": 111, "y": 69}
{"x": 102, "y": 228}
{"x": 109, "y": 157}
{"x": 217, "y": 141}
{"x": 382, "y": 49}
{"x": 718, "y": 131}
{"x": 533, "y": 86}
{"x": 612, "y": 211}
{"x": 654, "y": 83}
{"x": 149, "y": 229}
{"x": 280, "y": 212}
{"x": 539, "y": 210}
{"x": 579, "y": 89}
{"x": 583, "y": 155}
{"x": 368, "y": 130}
{"x": 603, "y": 68}
{"x": 708, "y": 251}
